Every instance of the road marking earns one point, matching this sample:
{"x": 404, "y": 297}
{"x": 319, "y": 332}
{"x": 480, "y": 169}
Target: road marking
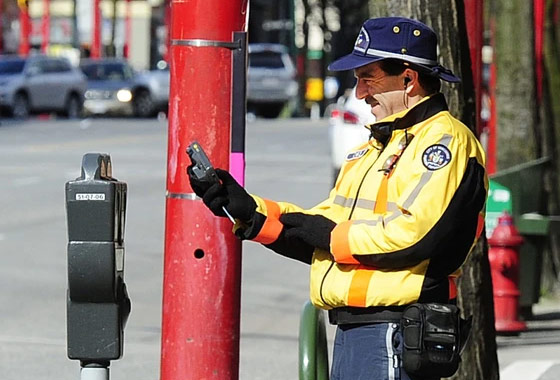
{"x": 526, "y": 369}
{"x": 89, "y": 143}
{"x": 26, "y": 181}
{"x": 32, "y": 340}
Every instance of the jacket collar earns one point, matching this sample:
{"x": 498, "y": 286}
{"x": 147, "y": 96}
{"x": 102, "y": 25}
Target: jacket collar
{"x": 426, "y": 108}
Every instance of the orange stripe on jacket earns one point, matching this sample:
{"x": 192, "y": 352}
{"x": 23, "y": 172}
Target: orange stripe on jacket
{"x": 272, "y": 226}
{"x": 381, "y": 201}
{"x": 357, "y": 294}
{"x": 339, "y": 244}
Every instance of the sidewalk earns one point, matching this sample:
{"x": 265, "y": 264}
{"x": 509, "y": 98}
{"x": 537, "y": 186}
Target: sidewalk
{"x": 533, "y": 354}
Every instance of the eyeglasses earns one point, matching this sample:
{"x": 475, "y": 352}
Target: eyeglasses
{"x": 392, "y": 160}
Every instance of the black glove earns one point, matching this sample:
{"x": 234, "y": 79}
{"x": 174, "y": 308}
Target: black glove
{"x": 315, "y": 230}
{"x": 228, "y": 194}
{"x": 199, "y": 187}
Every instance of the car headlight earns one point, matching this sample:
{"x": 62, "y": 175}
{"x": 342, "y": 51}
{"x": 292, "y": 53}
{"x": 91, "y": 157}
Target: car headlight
{"x": 124, "y": 95}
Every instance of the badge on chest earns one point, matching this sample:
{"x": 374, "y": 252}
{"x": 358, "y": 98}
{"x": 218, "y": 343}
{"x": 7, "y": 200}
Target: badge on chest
{"x": 436, "y": 157}
{"x": 355, "y": 155}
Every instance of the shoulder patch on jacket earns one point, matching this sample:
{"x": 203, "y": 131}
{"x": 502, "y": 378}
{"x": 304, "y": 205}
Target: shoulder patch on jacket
{"x": 355, "y": 155}
{"x": 436, "y": 157}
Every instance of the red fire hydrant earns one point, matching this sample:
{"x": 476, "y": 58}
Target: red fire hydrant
{"x": 503, "y": 255}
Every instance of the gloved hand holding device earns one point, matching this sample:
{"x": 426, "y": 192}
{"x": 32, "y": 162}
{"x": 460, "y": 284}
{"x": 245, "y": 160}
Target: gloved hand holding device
{"x": 314, "y": 230}
{"x": 219, "y": 191}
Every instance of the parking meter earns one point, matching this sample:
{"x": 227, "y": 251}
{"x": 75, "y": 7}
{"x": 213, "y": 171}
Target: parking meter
{"x": 97, "y": 301}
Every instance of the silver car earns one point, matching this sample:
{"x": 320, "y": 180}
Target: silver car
{"x": 151, "y": 92}
{"x": 271, "y": 79}
{"x": 110, "y": 85}
{"x": 40, "y": 84}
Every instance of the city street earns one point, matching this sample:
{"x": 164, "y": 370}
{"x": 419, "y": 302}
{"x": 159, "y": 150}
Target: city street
{"x": 286, "y": 160}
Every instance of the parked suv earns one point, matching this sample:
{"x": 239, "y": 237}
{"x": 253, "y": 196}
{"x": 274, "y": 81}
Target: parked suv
{"x": 40, "y": 84}
{"x": 151, "y": 92}
{"x": 271, "y": 79}
{"x": 110, "y": 84}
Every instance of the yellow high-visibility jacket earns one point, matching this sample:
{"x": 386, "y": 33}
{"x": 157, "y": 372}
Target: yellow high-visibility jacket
{"x": 409, "y": 206}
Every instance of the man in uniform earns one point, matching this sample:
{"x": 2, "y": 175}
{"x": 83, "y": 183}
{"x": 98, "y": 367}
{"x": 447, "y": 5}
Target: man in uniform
{"x": 406, "y": 209}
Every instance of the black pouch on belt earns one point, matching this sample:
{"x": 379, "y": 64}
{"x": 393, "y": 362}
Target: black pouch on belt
{"x": 434, "y": 336}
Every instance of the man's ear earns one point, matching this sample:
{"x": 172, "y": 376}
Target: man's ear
{"x": 409, "y": 76}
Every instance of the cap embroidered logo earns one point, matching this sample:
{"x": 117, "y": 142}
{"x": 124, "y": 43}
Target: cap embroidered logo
{"x": 362, "y": 42}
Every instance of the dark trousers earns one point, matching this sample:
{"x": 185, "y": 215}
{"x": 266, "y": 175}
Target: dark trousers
{"x": 368, "y": 352}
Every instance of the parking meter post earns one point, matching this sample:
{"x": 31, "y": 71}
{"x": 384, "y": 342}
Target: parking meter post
{"x": 94, "y": 372}
{"x": 202, "y": 265}
{"x": 97, "y": 300}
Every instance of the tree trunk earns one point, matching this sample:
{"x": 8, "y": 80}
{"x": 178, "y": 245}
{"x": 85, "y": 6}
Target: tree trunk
{"x": 352, "y": 15}
{"x": 447, "y": 18}
{"x": 550, "y": 129}
{"x": 515, "y": 85}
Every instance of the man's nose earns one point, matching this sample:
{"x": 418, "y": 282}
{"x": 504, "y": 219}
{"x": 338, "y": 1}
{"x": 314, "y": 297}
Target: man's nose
{"x": 361, "y": 89}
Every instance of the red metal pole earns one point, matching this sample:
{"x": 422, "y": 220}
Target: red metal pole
{"x": 24, "y": 26}
{"x": 475, "y": 27}
{"x": 127, "y": 30}
{"x": 492, "y": 154}
{"x": 539, "y": 11}
{"x": 46, "y": 26}
{"x": 96, "y": 33}
{"x": 202, "y": 269}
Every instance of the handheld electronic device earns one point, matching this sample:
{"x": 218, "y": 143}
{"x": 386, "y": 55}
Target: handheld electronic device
{"x": 203, "y": 169}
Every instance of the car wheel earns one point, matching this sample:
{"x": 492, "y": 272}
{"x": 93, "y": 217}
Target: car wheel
{"x": 73, "y": 107}
{"x": 20, "y": 109}
{"x": 271, "y": 111}
{"x": 143, "y": 104}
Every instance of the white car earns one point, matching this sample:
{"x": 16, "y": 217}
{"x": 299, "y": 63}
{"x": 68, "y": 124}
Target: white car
{"x": 347, "y": 129}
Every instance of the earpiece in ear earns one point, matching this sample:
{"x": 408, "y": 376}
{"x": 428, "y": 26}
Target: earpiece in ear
{"x": 406, "y": 81}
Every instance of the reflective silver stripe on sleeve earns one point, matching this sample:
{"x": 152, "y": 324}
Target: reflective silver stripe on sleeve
{"x": 414, "y": 194}
{"x": 365, "y": 204}
{"x": 445, "y": 140}
{"x": 369, "y": 222}
{"x": 393, "y": 216}
{"x": 342, "y": 201}
{"x": 392, "y": 206}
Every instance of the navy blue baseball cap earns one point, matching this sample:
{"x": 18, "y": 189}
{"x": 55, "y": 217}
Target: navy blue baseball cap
{"x": 396, "y": 38}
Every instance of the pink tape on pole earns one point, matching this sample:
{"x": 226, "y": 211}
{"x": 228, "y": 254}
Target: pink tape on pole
{"x": 237, "y": 167}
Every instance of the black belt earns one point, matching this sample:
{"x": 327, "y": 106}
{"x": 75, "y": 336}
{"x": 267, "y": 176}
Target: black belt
{"x": 352, "y": 315}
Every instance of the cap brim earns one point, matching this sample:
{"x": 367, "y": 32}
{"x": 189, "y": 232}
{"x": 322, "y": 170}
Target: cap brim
{"x": 439, "y": 71}
{"x": 352, "y": 61}
{"x": 449, "y": 78}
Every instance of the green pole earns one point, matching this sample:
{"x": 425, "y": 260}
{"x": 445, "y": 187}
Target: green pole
{"x": 313, "y": 356}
